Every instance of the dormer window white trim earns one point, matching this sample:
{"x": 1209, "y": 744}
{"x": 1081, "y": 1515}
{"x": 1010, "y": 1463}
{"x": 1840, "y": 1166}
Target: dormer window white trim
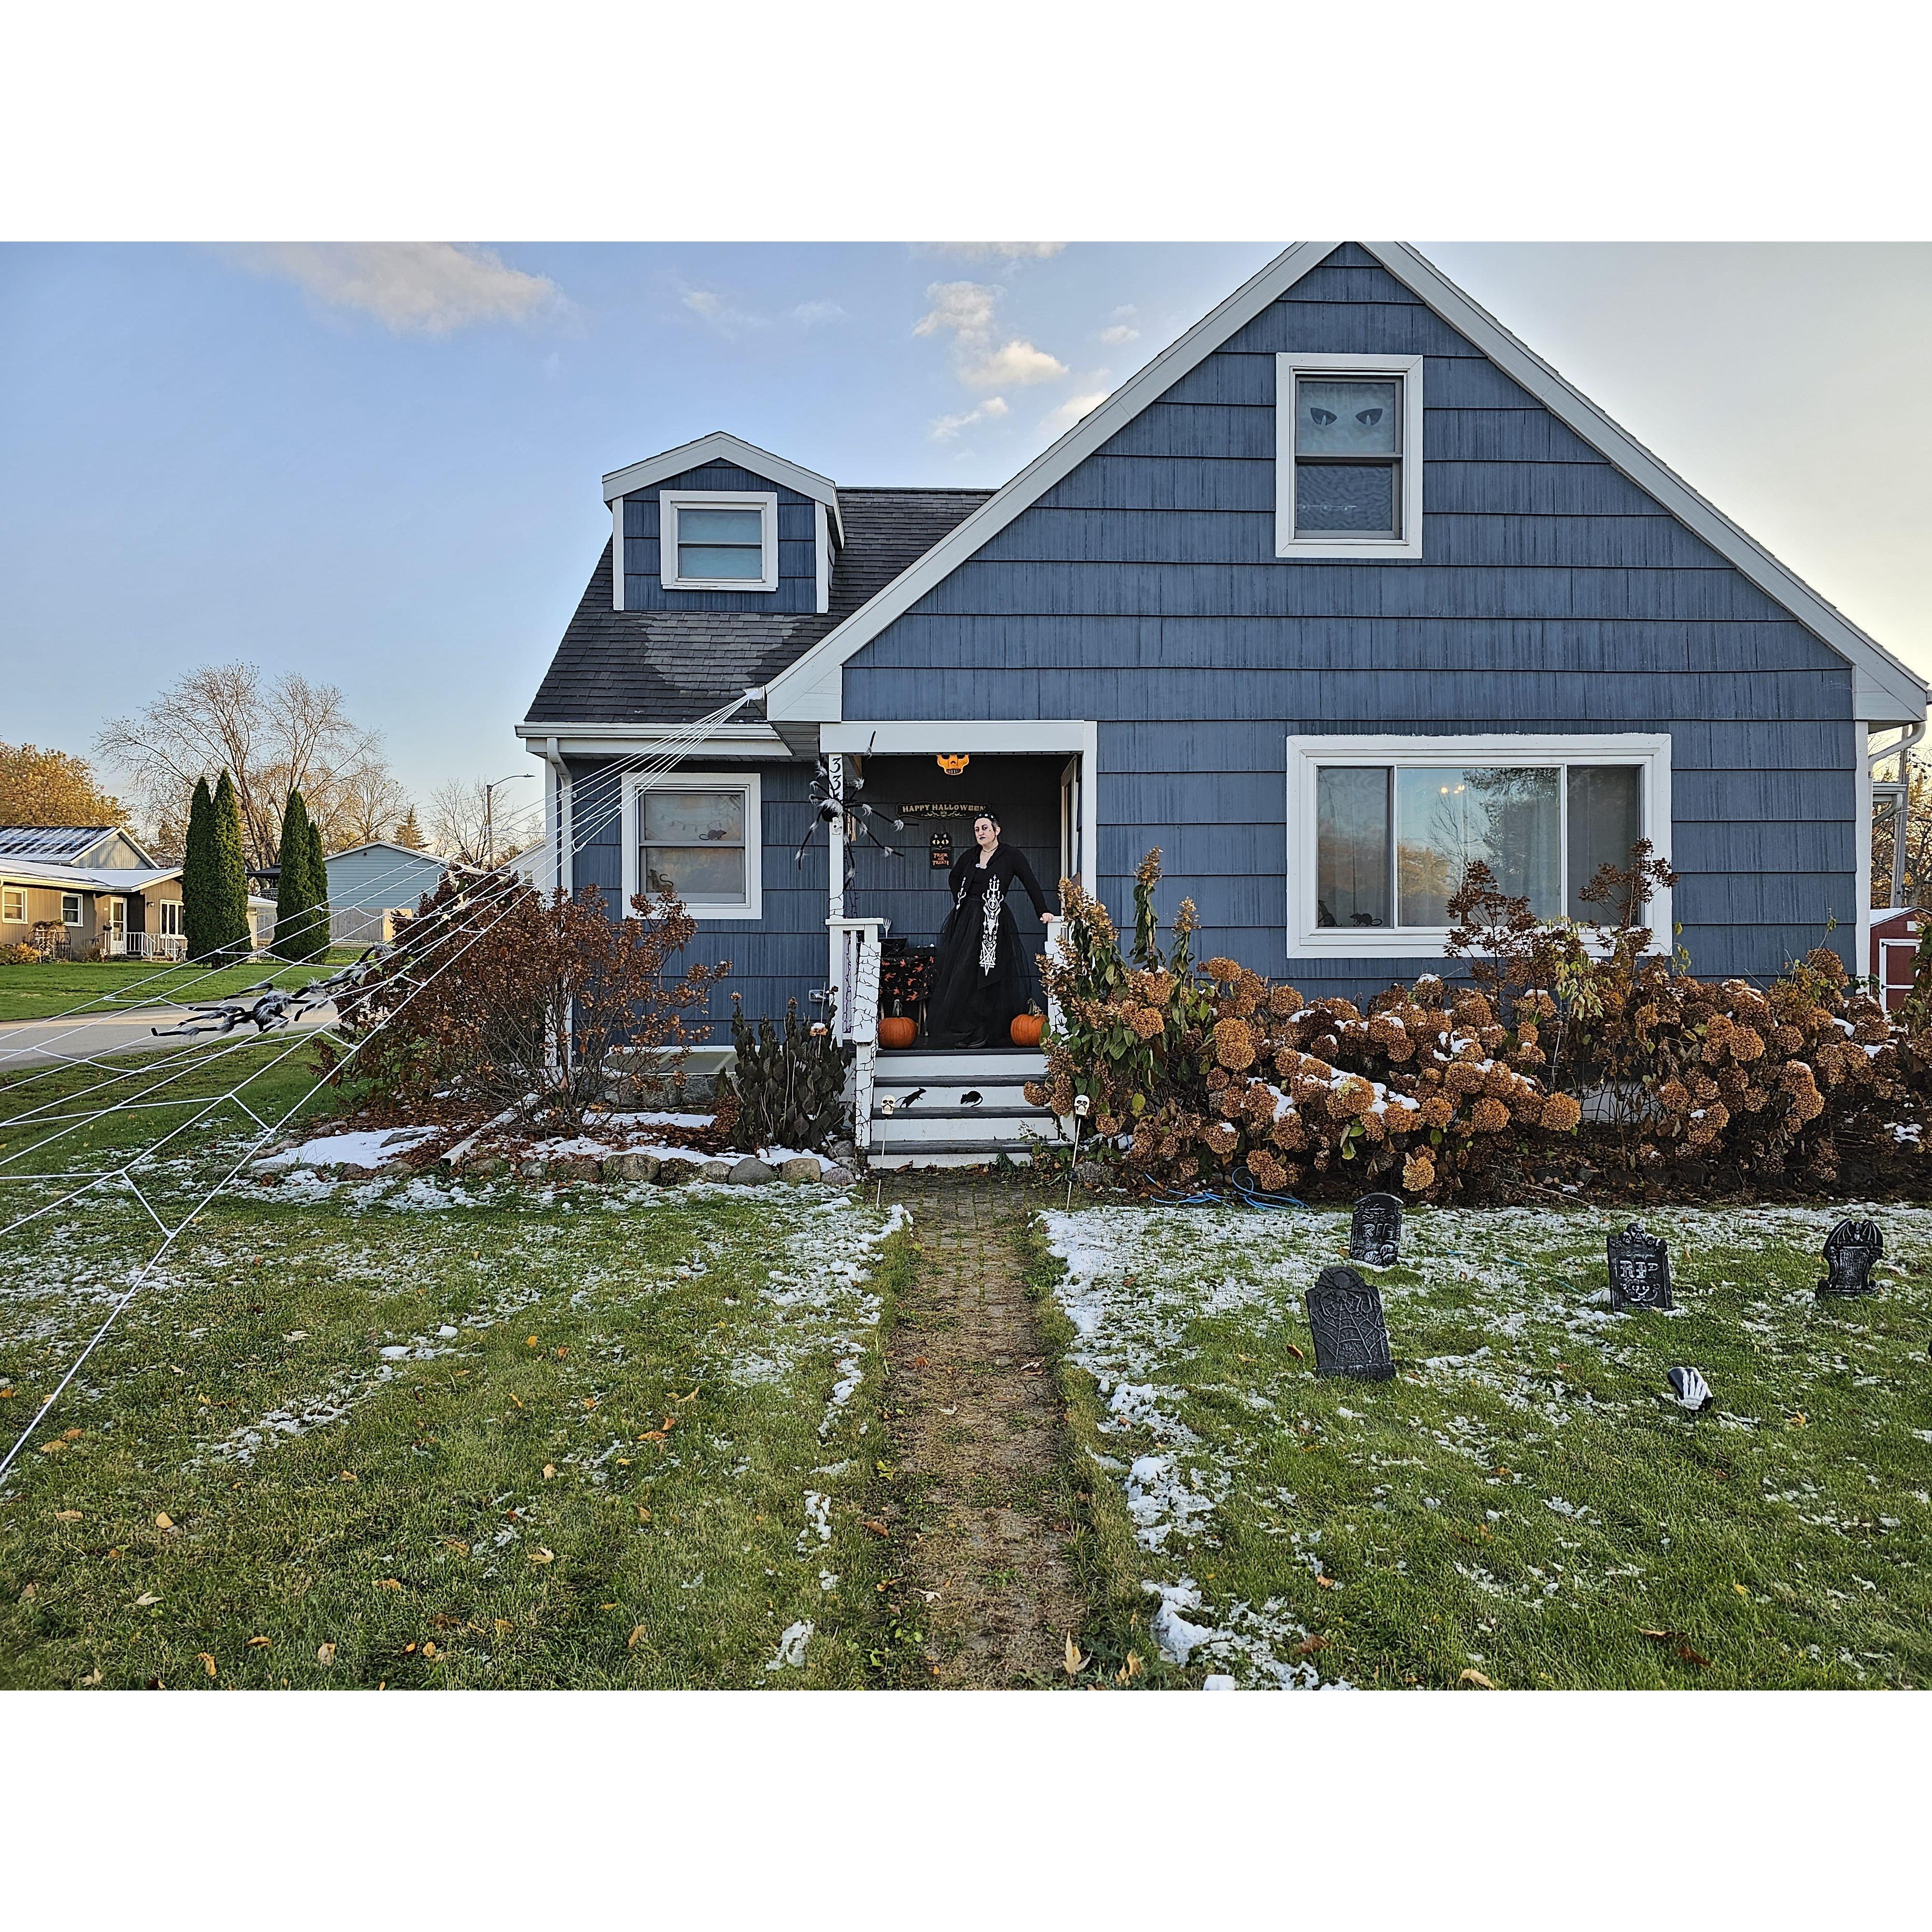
{"x": 707, "y": 539}
{"x": 1348, "y": 456}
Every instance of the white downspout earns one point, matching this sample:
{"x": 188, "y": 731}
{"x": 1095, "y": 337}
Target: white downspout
{"x": 1900, "y": 749}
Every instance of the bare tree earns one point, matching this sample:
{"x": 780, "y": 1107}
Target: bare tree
{"x": 1918, "y": 868}
{"x": 291, "y": 735}
{"x": 370, "y": 804}
{"x": 461, "y": 819}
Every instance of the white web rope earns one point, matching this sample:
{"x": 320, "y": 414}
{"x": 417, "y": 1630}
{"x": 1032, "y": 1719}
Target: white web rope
{"x": 650, "y": 767}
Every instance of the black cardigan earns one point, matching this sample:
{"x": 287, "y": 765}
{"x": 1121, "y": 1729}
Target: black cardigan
{"x": 1008, "y": 863}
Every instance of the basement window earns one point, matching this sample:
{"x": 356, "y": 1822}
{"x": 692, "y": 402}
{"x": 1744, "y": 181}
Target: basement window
{"x": 718, "y": 540}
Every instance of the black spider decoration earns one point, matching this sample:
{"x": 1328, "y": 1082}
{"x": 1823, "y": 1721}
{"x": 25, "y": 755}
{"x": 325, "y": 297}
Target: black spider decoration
{"x": 827, "y": 808}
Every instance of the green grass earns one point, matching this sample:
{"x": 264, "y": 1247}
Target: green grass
{"x": 319, "y": 1493}
{"x": 1523, "y": 1500}
{"x": 52, "y": 987}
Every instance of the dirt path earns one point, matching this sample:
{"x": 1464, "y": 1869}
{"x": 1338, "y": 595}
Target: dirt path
{"x": 981, "y": 1540}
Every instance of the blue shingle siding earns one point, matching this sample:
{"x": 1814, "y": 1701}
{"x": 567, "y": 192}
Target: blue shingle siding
{"x": 777, "y": 958}
{"x": 1554, "y": 595}
{"x": 798, "y": 548}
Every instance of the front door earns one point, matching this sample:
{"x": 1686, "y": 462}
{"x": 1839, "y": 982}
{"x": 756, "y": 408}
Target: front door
{"x": 117, "y": 928}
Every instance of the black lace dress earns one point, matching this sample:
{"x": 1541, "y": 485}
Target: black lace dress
{"x": 980, "y": 977}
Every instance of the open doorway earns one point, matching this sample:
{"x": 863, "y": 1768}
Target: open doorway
{"x": 1029, "y": 792}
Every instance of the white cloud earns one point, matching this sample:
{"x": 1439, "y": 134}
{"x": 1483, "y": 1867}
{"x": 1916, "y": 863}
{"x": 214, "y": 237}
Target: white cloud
{"x": 424, "y": 288}
{"x": 999, "y": 251}
{"x": 717, "y": 311}
{"x": 809, "y": 315}
{"x": 943, "y": 428}
{"x": 1119, "y": 333}
{"x": 964, "y": 310}
{"x": 1070, "y": 412}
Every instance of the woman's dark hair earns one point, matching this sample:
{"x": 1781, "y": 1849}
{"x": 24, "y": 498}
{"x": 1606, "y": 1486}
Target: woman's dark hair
{"x": 987, "y": 812}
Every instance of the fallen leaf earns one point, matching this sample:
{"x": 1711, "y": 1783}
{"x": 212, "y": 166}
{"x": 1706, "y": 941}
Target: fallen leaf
{"x": 146, "y": 1599}
{"x": 259, "y": 1642}
{"x": 429, "y": 1649}
{"x": 590, "y": 1402}
{"x": 920, "y": 1362}
{"x": 91, "y": 1678}
{"x": 1072, "y": 1660}
{"x": 503, "y": 1627}
{"x": 1129, "y": 1670}
{"x": 1327, "y": 1583}
{"x": 67, "y": 1516}
{"x": 52, "y": 1448}
{"x": 70, "y": 1434}
{"x": 519, "y": 1404}
{"x": 561, "y": 1351}
{"x": 164, "y": 1521}
{"x": 347, "y": 1476}
{"x": 550, "y": 1470}
{"x": 881, "y": 1588}
{"x": 1741, "y": 1590}
{"x": 461, "y": 1549}
{"x": 207, "y": 1663}
{"x": 643, "y": 1514}
{"x": 1296, "y": 1353}
{"x": 409, "y": 1650}
{"x": 531, "y": 1343}
{"x": 1796, "y": 1421}
{"x": 543, "y": 1555}
{"x": 877, "y": 1528}
{"x": 326, "y": 1653}
{"x": 389, "y": 1583}
{"x": 1476, "y": 1677}
{"x": 1679, "y": 1644}
{"x": 1309, "y": 1645}
{"x": 637, "y": 1638}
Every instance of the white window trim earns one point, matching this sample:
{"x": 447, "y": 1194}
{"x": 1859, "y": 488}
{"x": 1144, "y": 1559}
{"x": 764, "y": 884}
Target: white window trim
{"x": 13, "y": 896}
{"x": 670, "y": 502}
{"x": 168, "y": 913}
{"x": 78, "y": 915}
{"x": 750, "y": 784}
{"x": 1307, "y": 940}
{"x": 1327, "y": 543}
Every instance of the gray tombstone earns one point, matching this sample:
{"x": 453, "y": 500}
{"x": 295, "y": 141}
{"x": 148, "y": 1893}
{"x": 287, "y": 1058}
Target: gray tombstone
{"x": 1639, "y": 1270}
{"x": 1851, "y": 1249}
{"x": 1375, "y": 1230}
{"x": 1345, "y": 1313}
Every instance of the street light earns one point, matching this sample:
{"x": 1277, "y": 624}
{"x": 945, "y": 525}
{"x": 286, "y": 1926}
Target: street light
{"x": 490, "y": 814}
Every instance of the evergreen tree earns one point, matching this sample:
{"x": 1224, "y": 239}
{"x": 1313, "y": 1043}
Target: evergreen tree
{"x": 318, "y": 886}
{"x": 196, "y": 892}
{"x": 294, "y": 891}
{"x": 228, "y": 869}
{"x": 409, "y": 832}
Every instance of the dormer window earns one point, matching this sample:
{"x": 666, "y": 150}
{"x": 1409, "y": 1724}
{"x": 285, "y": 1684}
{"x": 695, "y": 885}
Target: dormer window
{"x": 1348, "y": 466}
{"x": 718, "y": 540}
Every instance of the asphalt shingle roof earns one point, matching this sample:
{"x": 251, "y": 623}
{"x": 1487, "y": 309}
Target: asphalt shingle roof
{"x": 670, "y": 667}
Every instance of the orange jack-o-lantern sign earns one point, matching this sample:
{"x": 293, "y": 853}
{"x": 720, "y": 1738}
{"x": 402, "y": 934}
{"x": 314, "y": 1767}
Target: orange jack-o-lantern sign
{"x": 953, "y": 763}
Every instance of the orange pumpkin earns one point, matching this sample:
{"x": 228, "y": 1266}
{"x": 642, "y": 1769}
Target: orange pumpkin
{"x": 1025, "y": 1029}
{"x": 896, "y": 1031}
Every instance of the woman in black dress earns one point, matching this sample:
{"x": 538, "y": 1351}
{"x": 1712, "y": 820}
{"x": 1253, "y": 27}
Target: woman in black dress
{"x": 979, "y": 982}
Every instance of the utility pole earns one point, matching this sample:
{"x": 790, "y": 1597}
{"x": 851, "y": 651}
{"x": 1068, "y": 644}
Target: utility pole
{"x": 489, "y": 814}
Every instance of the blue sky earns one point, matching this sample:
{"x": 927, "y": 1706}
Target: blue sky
{"x": 380, "y": 466}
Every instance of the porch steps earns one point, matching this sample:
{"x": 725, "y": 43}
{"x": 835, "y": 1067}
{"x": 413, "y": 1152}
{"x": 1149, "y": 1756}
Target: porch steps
{"x": 956, "y": 1109}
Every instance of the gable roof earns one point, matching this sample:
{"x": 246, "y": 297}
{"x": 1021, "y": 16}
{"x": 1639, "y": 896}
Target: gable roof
{"x": 720, "y": 446}
{"x": 654, "y": 668}
{"x": 67, "y": 844}
{"x": 428, "y": 858}
{"x": 86, "y": 878}
{"x": 1884, "y": 690}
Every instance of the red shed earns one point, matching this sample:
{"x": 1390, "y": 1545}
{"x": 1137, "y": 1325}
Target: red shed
{"x": 1894, "y": 945}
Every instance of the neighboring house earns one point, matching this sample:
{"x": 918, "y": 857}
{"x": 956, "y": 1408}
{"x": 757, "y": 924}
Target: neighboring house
{"x": 1346, "y": 589}
{"x": 86, "y": 891}
{"x": 372, "y": 888}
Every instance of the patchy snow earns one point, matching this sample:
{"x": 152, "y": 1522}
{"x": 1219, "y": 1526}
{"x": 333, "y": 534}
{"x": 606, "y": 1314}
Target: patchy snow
{"x": 792, "y": 1641}
{"x": 372, "y": 1148}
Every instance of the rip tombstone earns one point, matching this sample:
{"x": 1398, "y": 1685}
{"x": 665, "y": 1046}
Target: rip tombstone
{"x": 1345, "y": 1314}
{"x": 1639, "y": 1270}
{"x": 1851, "y": 1250}
{"x": 1375, "y": 1230}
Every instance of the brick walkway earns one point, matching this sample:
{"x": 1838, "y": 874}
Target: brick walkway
{"x": 982, "y": 1539}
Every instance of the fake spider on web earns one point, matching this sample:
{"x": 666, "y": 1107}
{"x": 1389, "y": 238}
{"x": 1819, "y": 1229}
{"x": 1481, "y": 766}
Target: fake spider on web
{"x": 828, "y": 806}
{"x": 269, "y": 1007}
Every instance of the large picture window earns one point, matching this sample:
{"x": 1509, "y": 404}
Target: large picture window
{"x": 718, "y": 540}
{"x": 1383, "y": 831}
{"x": 695, "y": 835}
{"x": 1348, "y": 434}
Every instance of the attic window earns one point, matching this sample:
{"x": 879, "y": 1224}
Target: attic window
{"x": 1348, "y": 442}
{"x": 718, "y": 540}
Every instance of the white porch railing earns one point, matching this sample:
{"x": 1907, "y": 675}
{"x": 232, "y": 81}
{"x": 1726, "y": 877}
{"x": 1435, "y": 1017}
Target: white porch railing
{"x": 1056, "y": 929}
{"x": 855, "y": 979}
{"x": 156, "y": 946}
